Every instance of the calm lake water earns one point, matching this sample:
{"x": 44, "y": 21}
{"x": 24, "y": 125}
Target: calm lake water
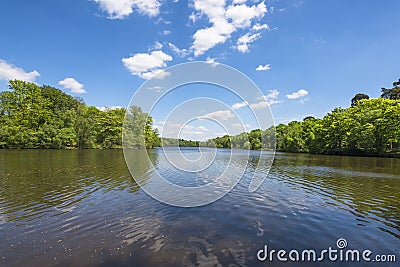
{"x": 82, "y": 208}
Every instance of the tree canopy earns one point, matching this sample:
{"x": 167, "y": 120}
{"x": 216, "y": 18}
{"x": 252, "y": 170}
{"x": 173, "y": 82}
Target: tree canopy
{"x": 392, "y": 93}
{"x": 357, "y": 98}
{"x": 368, "y": 127}
{"x": 35, "y": 116}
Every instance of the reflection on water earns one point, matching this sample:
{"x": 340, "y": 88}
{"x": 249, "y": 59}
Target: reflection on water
{"x": 82, "y": 208}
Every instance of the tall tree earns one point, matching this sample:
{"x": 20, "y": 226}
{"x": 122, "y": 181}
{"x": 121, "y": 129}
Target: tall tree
{"x": 392, "y": 93}
{"x": 357, "y": 98}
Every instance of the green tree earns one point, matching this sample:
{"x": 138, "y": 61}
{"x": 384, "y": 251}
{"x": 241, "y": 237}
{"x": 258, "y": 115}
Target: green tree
{"x": 35, "y": 116}
{"x": 357, "y": 98}
{"x": 391, "y": 93}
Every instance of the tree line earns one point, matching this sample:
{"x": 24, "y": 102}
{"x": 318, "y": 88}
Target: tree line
{"x": 166, "y": 141}
{"x": 33, "y": 116}
{"x": 367, "y": 127}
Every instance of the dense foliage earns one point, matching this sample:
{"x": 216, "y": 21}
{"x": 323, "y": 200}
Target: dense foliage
{"x": 179, "y": 142}
{"x": 33, "y": 116}
{"x": 368, "y": 127}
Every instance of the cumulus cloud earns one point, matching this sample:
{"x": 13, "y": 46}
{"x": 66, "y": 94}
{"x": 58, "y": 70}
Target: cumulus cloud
{"x": 259, "y": 105}
{"x": 73, "y": 85}
{"x": 11, "y": 72}
{"x": 298, "y": 94}
{"x": 118, "y": 9}
{"x": 242, "y": 15}
{"x": 147, "y": 65}
{"x": 263, "y": 68}
{"x": 224, "y": 20}
{"x": 240, "y": 105}
{"x": 239, "y": 1}
{"x": 205, "y": 39}
{"x": 220, "y": 115}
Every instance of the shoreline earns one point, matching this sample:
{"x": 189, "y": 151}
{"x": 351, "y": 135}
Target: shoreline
{"x": 370, "y": 155}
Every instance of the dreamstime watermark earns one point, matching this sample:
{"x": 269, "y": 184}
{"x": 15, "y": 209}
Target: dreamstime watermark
{"x": 184, "y": 97}
{"x": 339, "y": 253}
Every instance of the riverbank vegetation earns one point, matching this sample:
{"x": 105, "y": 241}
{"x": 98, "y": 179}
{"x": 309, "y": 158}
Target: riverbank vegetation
{"x": 165, "y": 141}
{"x": 367, "y": 127}
{"x": 33, "y": 116}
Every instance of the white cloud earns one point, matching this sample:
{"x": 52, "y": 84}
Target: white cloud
{"x": 11, "y": 72}
{"x": 263, "y": 68}
{"x": 147, "y": 65}
{"x": 260, "y": 105}
{"x": 272, "y": 94}
{"x": 118, "y": 9}
{"x": 166, "y": 32}
{"x": 220, "y": 115}
{"x": 298, "y": 94}
{"x": 156, "y": 74}
{"x": 240, "y": 105}
{"x": 242, "y": 44}
{"x": 205, "y": 39}
{"x": 242, "y": 15}
{"x": 178, "y": 51}
{"x": 73, "y": 85}
{"x": 212, "y": 62}
{"x": 193, "y": 17}
{"x": 259, "y": 27}
{"x": 185, "y": 131}
{"x": 268, "y": 100}
{"x": 156, "y": 88}
{"x": 239, "y": 1}
{"x": 213, "y": 9}
{"x": 224, "y": 21}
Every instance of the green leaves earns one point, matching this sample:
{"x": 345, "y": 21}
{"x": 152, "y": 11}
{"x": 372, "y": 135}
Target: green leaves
{"x": 45, "y": 117}
{"x": 370, "y": 127}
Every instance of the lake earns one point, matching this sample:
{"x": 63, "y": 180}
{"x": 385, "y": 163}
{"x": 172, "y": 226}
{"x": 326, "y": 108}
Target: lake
{"x": 82, "y": 208}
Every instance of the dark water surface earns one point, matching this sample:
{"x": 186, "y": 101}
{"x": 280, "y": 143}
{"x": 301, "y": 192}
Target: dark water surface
{"x": 82, "y": 208}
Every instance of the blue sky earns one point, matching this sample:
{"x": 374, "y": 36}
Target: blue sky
{"x": 315, "y": 54}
